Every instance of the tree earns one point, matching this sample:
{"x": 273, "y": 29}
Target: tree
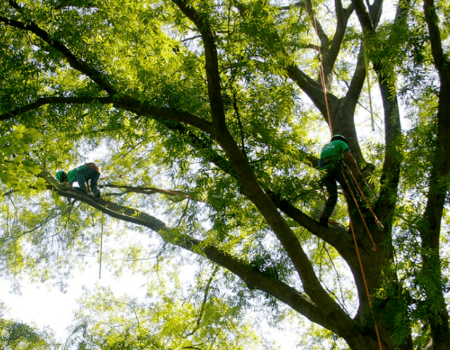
{"x": 20, "y": 336}
{"x": 224, "y": 100}
{"x": 167, "y": 320}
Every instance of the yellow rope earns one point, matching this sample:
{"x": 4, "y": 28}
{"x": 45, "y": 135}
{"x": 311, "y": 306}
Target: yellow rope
{"x": 369, "y": 88}
{"x": 101, "y": 250}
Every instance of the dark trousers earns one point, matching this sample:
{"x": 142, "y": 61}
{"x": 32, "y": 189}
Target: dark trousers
{"x": 330, "y": 182}
{"x": 333, "y": 176}
{"x": 87, "y": 177}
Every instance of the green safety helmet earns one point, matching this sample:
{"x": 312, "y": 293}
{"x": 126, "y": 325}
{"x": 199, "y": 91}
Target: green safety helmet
{"x": 339, "y": 137}
{"x": 59, "y": 175}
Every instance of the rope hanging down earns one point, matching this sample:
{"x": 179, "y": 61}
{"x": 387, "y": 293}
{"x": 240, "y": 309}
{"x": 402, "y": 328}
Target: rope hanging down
{"x": 101, "y": 250}
{"x": 365, "y": 285}
{"x": 369, "y": 88}
{"x": 378, "y": 222}
{"x": 101, "y": 243}
{"x": 374, "y": 247}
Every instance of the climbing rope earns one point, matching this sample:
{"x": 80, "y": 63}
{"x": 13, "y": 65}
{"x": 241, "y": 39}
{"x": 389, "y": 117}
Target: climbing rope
{"x": 378, "y": 222}
{"x": 374, "y": 246}
{"x": 101, "y": 242}
{"x": 324, "y": 90}
{"x": 365, "y": 284}
{"x": 369, "y": 88}
{"x": 101, "y": 250}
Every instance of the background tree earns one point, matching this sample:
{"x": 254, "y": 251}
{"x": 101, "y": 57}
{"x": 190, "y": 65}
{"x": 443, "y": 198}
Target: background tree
{"x": 16, "y": 335}
{"x": 221, "y": 101}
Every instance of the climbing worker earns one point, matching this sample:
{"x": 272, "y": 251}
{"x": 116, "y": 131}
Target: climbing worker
{"x": 333, "y": 153}
{"x": 84, "y": 174}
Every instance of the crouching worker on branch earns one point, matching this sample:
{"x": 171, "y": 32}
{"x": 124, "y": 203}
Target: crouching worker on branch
{"x": 333, "y": 153}
{"x": 86, "y": 175}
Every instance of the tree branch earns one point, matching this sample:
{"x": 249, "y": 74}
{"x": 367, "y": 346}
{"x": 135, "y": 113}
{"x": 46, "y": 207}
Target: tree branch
{"x": 439, "y": 185}
{"x": 331, "y": 53}
{"x": 147, "y": 190}
{"x": 73, "y": 61}
{"x": 55, "y": 100}
{"x": 202, "y": 308}
{"x": 391, "y": 167}
{"x": 164, "y": 115}
{"x": 331, "y": 319}
{"x": 211, "y": 61}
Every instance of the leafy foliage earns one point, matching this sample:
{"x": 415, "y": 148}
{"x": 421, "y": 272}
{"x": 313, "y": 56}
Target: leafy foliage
{"x": 211, "y": 115}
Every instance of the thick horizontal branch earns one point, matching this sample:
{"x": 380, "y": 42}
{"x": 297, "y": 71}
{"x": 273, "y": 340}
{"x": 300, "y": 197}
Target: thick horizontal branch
{"x": 166, "y": 114}
{"x": 54, "y": 100}
{"x": 147, "y": 190}
{"x": 252, "y": 277}
{"x": 126, "y": 103}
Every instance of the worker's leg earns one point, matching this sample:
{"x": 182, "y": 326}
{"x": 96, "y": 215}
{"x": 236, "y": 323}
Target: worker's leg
{"x": 81, "y": 177}
{"x": 331, "y": 185}
{"x": 94, "y": 176}
{"x": 86, "y": 174}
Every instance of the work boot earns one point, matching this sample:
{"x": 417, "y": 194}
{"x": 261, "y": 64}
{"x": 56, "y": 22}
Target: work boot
{"x": 96, "y": 193}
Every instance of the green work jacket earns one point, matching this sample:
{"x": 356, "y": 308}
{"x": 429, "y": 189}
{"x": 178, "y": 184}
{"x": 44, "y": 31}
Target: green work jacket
{"x": 332, "y": 153}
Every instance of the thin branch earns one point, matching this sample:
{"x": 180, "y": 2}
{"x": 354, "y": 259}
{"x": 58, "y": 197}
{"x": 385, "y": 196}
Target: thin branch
{"x": 192, "y": 38}
{"x": 205, "y": 299}
{"x": 241, "y": 129}
{"x": 73, "y": 61}
{"x": 147, "y": 190}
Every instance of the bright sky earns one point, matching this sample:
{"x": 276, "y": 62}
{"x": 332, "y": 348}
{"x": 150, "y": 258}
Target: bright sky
{"x": 38, "y": 306}
{"x": 43, "y": 307}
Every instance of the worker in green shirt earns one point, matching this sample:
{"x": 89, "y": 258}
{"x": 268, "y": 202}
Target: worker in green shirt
{"x": 333, "y": 153}
{"x": 86, "y": 175}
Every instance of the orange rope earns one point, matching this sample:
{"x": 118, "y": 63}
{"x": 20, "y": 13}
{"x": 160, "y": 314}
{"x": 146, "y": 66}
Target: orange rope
{"x": 365, "y": 283}
{"x": 374, "y": 246}
{"x": 365, "y": 199}
{"x": 101, "y": 251}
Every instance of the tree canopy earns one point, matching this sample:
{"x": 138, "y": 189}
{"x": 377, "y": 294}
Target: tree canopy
{"x": 210, "y": 116}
